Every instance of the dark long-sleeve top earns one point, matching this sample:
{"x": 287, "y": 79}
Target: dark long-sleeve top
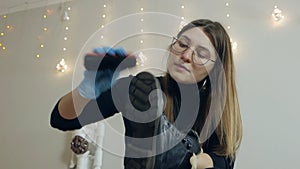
{"x": 107, "y": 108}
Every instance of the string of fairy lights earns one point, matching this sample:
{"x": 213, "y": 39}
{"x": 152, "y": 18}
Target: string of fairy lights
{"x": 104, "y": 17}
{"x": 66, "y": 16}
{"x": 5, "y": 28}
{"x": 228, "y": 24}
{"x": 43, "y": 30}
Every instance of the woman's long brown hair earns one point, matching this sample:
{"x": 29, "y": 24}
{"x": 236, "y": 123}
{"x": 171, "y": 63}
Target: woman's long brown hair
{"x": 229, "y": 127}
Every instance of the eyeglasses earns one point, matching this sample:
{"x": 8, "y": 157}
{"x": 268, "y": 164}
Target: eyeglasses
{"x": 200, "y": 55}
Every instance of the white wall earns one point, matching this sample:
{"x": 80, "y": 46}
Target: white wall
{"x": 266, "y": 61}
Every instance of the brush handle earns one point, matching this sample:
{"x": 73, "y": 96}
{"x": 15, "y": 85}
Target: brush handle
{"x": 94, "y": 61}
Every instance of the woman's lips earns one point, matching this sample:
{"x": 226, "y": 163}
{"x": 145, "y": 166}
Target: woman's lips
{"x": 181, "y": 67}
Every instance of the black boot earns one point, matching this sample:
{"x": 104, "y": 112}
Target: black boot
{"x": 151, "y": 141}
{"x": 142, "y": 119}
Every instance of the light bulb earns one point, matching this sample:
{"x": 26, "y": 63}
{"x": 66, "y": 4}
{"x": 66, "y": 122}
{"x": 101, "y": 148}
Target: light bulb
{"x": 101, "y": 36}
{"x": 277, "y": 14}
{"x": 10, "y": 28}
{"x": 65, "y": 38}
{"x": 69, "y": 8}
{"x": 226, "y": 4}
{"x": 0, "y": 44}
{"x": 228, "y": 27}
{"x": 49, "y": 12}
{"x": 66, "y": 16}
{"x": 142, "y": 9}
{"x": 227, "y": 15}
{"x": 62, "y": 66}
{"x": 141, "y": 41}
{"x": 3, "y": 47}
{"x": 234, "y": 45}
{"x": 182, "y": 6}
{"x": 37, "y": 56}
{"x": 45, "y": 29}
{"x": 142, "y": 20}
{"x": 103, "y": 16}
{"x": 182, "y": 18}
{"x": 2, "y": 33}
{"x": 64, "y": 49}
{"x": 141, "y": 59}
{"x": 44, "y": 16}
{"x": 4, "y": 16}
{"x": 104, "y": 6}
{"x": 42, "y": 46}
{"x": 102, "y": 26}
{"x": 66, "y": 28}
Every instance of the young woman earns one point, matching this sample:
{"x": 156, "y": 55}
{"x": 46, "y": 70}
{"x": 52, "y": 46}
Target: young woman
{"x": 200, "y": 56}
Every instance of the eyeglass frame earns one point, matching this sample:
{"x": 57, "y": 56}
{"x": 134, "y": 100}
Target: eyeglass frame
{"x": 175, "y": 40}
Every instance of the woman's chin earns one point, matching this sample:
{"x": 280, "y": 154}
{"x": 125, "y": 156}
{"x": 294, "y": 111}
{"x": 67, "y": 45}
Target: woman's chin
{"x": 182, "y": 78}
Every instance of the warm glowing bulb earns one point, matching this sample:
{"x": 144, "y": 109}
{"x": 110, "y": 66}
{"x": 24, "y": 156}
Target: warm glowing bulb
{"x": 277, "y": 14}
{"x": 62, "y": 66}
{"x": 227, "y": 4}
{"x": 103, "y": 16}
{"x": 227, "y": 15}
{"x": 142, "y": 20}
{"x": 45, "y": 29}
{"x": 141, "y": 59}
{"x": 0, "y": 44}
{"x": 2, "y": 33}
{"x": 49, "y": 11}
{"x": 228, "y": 27}
{"x": 65, "y": 38}
{"x": 69, "y": 8}
{"x": 66, "y": 28}
{"x": 64, "y": 49}
{"x": 3, "y": 47}
{"x": 37, "y": 55}
{"x": 101, "y": 36}
{"x": 10, "y": 28}
{"x": 41, "y": 45}
{"x": 142, "y": 9}
{"x": 104, "y": 6}
{"x": 102, "y": 26}
{"x": 44, "y": 16}
{"x": 4, "y": 16}
{"x": 66, "y": 16}
{"x": 182, "y": 6}
{"x": 182, "y": 18}
{"x": 141, "y": 41}
{"x": 234, "y": 45}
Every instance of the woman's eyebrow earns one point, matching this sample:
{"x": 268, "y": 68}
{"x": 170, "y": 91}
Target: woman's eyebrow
{"x": 203, "y": 48}
{"x": 186, "y": 38}
{"x": 198, "y": 46}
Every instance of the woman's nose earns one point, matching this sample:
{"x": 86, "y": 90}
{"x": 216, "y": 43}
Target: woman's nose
{"x": 187, "y": 55}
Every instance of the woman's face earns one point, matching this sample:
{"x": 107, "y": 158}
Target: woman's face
{"x": 181, "y": 66}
